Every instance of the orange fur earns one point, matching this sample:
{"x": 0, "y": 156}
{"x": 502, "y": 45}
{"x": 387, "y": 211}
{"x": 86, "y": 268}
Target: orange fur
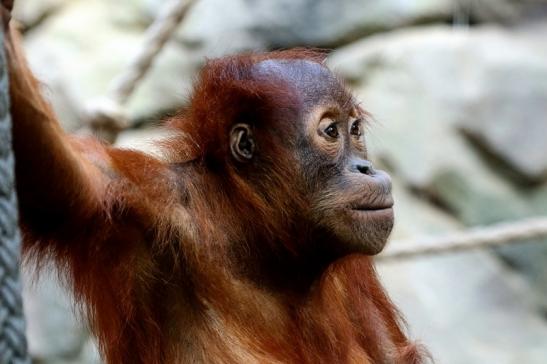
{"x": 154, "y": 248}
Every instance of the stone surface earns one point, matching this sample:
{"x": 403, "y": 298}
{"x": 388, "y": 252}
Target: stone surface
{"x": 306, "y": 22}
{"x": 78, "y": 52}
{"x": 530, "y": 9}
{"x": 422, "y": 86}
{"x": 54, "y": 331}
{"x": 416, "y": 217}
{"x": 138, "y": 13}
{"x": 507, "y": 12}
{"x": 31, "y": 12}
{"x": 402, "y": 78}
{"x": 286, "y": 23}
{"x": 467, "y": 308}
{"x": 518, "y": 131}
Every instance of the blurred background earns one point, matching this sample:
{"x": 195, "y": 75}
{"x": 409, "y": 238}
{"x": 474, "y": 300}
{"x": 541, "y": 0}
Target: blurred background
{"x": 458, "y": 91}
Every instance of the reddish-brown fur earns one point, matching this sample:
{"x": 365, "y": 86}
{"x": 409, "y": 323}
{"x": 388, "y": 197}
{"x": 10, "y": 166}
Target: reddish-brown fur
{"x": 154, "y": 248}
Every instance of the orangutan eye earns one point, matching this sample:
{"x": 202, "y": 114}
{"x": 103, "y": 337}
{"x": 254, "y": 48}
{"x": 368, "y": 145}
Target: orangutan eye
{"x": 356, "y": 128}
{"x": 332, "y": 131}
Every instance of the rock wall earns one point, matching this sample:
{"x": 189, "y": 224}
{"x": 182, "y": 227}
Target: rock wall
{"x": 458, "y": 91}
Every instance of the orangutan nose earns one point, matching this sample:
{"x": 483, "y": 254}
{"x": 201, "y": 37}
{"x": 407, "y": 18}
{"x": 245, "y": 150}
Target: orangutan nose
{"x": 362, "y": 166}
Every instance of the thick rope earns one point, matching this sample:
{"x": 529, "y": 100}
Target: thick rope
{"x": 107, "y": 115}
{"x": 13, "y": 346}
{"x": 495, "y": 235}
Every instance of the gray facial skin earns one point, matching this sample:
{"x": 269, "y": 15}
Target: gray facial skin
{"x": 350, "y": 200}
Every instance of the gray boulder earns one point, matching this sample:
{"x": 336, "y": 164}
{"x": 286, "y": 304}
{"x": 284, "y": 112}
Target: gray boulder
{"x": 511, "y": 121}
{"x": 464, "y": 307}
{"x": 55, "y": 331}
{"x": 468, "y": 308}
{"x": 30, "y": 13}
{"x": 288, "y": 23}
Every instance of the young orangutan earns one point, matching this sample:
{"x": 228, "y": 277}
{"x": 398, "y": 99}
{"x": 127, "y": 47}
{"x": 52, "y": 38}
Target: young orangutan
{"x": 250, "y": 241}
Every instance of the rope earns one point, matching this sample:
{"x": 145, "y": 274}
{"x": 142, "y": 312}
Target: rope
{"x": 107, "y": 115}
{"x": 495, "y": 235}
{"x": 13, "y": 345}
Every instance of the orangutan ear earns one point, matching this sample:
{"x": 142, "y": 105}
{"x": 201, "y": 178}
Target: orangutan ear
{"x": 242, "y": 143}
